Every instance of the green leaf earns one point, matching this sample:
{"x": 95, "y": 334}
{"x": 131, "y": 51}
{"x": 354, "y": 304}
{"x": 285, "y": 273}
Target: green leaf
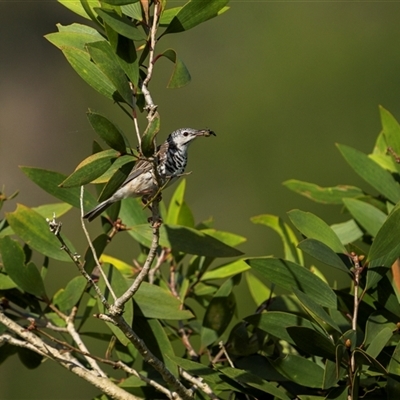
{"x": 99, "y": 244}
{"x": 119, "y": 177}
{"x": 168, "y": 15}
{"x": 218, "y": 315}
{"x": 147, "y": 144}
{"x": 77, "y": 8}
{"x": 49, "y": 210}
{"x": 312, "y": 342}
{"x": 89, "y": 72}
{"x": 156, "y": 340}
{"x": 323, "y": 253}
{"x": 372, "y": 173}
{"x": 377, "y": 328}
{"x": 119, "y": 285}
{"x": 6, "y": 282}
{"x": 73, "y": 39}
{"x": 104, "y": 57}
{"x": 184, "y": 239}
{"x": 194, "y": 12}
{"x": 33, "y": 229}
{"x": 231, "y": 239}
{"x": 347, "y": 232}
{"x": 50, "y": 181}
{"x": 155, "y": 302}
{"x": 27, "y": 277}
{"x": 391, "y": 130}
{"x": 29, "y": 358}
{"x": 133, "y": 10}
{"x": 288, "y": 237}
{"x": 288, "y": 275}
{"x": 314, "y": 227}
{"x": 122, "y": 266}
{"x": 324, "y": 195}
{"x": 121, "y": 25}
{"x": 386, "y": 240}
{"x": 90, "y": 168}
{"x": 393, "y": 385}
{"x": 176, "y": 206}
{"x": 258, "y": 290}
{"x": 276, "y": 323}
{"x": 248, "y": 379}
{"x": 110, "y": 133}
{"x": 180, "y": 76}
{"x": 300, "y": 370}
{"x": 70, "y": 296}
{"x": 132, "y": 212}
{"x": 315, "y": 310}
{"x": 368, "y": 216}
{"x": 120, "y": 2}
{"x": 226, "y": 271}
{"x": 125, "y": 50}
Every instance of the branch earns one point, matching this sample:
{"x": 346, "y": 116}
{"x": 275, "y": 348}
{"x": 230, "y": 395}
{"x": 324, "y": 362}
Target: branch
{"x": 37, "y": 345}
{"x": 198, "y": 382}
{"x": 55, "y": 228}
{"x": 79, "y": 342}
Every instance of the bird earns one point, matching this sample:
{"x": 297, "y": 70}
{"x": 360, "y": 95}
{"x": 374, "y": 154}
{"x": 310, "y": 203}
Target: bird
{"x": 172, "y": 158}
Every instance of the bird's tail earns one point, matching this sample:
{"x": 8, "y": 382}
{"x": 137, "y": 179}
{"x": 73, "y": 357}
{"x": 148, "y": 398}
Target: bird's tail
{"x": 92, "y": 214}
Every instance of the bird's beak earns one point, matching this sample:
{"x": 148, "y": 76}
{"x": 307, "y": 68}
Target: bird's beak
{"x": 206, "y": 133}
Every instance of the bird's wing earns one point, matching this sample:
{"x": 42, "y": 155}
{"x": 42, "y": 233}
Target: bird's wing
{"x": 143, "y": 166}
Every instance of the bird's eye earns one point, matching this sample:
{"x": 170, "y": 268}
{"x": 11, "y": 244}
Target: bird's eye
{"x": 185, "y": 133}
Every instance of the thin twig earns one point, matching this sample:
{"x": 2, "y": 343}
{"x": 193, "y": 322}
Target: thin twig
{"x": 199, "y": 382}
{"x": 119, "y": 303}
{"x": 93, "y": 250}
{"x": 79, "y": 342}
{"x": 151, "y": 107}
{"x": 160, "y": 259}
{"x": 222, "y": 347}
{"x": 36, "y": 344}
{"x": 55, "y": 228}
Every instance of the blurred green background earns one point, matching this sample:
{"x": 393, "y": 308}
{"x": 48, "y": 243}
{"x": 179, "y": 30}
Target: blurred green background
{"x": 279, "y": 82}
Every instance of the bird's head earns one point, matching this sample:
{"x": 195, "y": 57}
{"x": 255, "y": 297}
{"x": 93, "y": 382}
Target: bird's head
{"x": 181, "y": 138}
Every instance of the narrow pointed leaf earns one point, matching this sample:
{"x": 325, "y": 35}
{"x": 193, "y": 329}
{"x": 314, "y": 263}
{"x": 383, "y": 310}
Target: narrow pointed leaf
{"x": 155, "y": 302}
{"x": 314, "y": 227}
{"x": 226, "y": 271}
{"x": 391, "y": 130}
{"x": 117, "y": 179}
{"x": 347, "y": 232}
{"x": 27, "y": 277}
{"x": 194, "y": 13}
{"x": 109, "y": 132}
{"x": 315, "y": 309}
{"x": 34, "y": 230}
{"x": 122, "y": 25}
{"x": 248, "y": 379}
{"x": 287, "y": 235}
{"x": 386, "y": 240}
{"x": 88, "y": 71}
{"x": 119, "y": 285}
{"x": 324, "y": 195}
{"x": 300, "y": 370}
{"x": 276, "y": 323}
{"x": 77, "y": 8}
{"x": 288, "y": 275}
{"x": 72, "y": 293}
{"x": 50, "y": 182}
{"x": 372, "y": 173}
{"x": 104, "y": 57}
{"x": 180, "y": 76}
{"x": 368, "y": 216}
{"x": 90, "y": 168}
{"x": 72, "y": 39}
{"x": 147, "y": 145}
{"x": 323, "y": 253}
